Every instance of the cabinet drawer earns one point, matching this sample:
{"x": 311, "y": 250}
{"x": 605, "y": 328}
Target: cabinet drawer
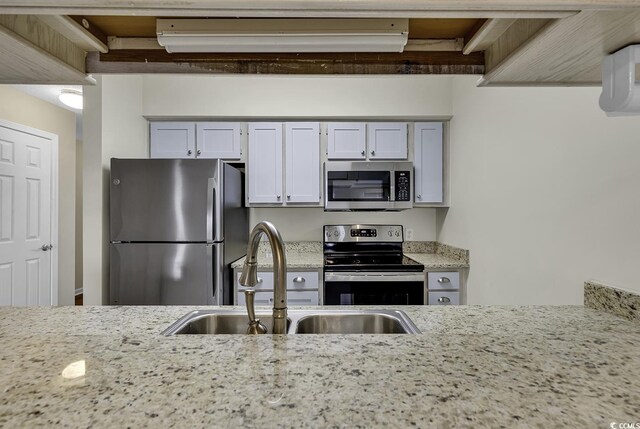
{"x": 302, "y": 280}
{"x": 265, "y": 281}
{"x": 260, "y": 298}
{"x": 444, "y": 298}
{"x": 444, "y": 280}
{"x": 293, "y": 298}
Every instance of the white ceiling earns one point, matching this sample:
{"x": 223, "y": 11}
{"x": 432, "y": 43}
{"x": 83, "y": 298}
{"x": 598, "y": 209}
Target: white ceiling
{"x": 49, "y": 93}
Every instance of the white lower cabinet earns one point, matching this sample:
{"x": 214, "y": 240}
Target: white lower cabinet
{"x": 443, "y": 288}
{"x": 302, "y": 288}
{"x": 308, "y": 297}
{"x": 444, "y": 298}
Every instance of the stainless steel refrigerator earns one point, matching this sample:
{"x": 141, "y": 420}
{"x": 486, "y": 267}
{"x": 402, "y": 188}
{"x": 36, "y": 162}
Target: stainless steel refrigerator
{"x": 176, "y": 225}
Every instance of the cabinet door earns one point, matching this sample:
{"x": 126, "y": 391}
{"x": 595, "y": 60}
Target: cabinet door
{"x": 387, "y": 140}
{"x": 428, "y": 162}
{"x": 218, "y": 140}
{"x": 265, "y": 162}
{"x": 347, "y": 140}
{"x": 172, "y": 140}
{"x": 302, "y": 155}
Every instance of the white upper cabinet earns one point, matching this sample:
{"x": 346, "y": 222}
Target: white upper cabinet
{"x": 172, "y": 140}
{"x": 265, "y": 163}
{"x": 302, "y": 155}
{"x": 218, "y": 140}
{"x": 428, "y": 162}
{"x": 346, "y": 140}
{"x": 387, "y": 140}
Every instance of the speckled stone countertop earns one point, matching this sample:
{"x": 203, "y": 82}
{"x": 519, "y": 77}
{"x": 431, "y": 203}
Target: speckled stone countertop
{"x": 472, "y": 367}
{"x": 308, "y": 255}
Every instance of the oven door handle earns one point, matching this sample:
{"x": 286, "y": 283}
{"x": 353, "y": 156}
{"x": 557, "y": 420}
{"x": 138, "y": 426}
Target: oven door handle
{"x": 373, "y": 277}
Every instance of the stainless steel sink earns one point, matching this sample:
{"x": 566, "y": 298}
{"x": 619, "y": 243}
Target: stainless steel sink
{"x": 350, "y": 324}
{"x": 298, "y": 322}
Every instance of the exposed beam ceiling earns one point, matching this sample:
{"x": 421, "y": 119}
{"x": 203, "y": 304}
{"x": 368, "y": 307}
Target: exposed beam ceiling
{"x": 159, "y": 61}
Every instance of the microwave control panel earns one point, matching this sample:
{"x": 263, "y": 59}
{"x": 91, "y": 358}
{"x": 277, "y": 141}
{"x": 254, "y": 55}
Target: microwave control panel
{"x": 403, "y": 185}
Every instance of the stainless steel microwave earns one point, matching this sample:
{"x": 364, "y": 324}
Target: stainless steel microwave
{"x": 361, "y": 185}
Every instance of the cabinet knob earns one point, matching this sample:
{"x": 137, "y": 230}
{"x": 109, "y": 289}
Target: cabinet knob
{"x": 373, "y": 152}
{"x": 299, "y": 280}
{"x": 288, "y": 197}
{"x": 198, "y": 152}
{"x": 444, "y": 280}
{"x": 278, "y": 196}
{"x": 419, "y": 197}
{"x": 362, "y": 153}
{"x": 260, "y": 280}
{"x": 444, "y": 299}
{"x": 189, "y": 152}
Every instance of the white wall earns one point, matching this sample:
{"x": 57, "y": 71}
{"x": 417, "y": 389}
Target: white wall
{"x": 305, "y": 224}
{"x": 113, "y": 127}
{"x": 19, "y": 107}
{"x": 297, "y": 96}
{"x": 545, "y": 193}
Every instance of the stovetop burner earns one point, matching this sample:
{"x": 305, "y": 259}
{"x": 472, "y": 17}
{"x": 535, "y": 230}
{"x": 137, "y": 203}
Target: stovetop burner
{"x": 349, "y": 248}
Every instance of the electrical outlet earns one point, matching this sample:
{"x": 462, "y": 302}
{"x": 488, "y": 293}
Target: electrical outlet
{"x": 409, "y": 234}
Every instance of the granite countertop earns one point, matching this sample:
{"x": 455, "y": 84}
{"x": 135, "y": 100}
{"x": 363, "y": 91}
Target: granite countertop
{"x": 471, "y": 367}
{"x": 308, "y": 255}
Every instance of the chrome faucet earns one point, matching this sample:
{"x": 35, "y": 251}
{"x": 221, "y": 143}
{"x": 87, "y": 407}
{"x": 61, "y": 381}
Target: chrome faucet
{"x": 249, "y": 275}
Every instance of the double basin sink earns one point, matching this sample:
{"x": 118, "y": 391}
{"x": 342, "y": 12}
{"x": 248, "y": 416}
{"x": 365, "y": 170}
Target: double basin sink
{"x": 298, "y": 322}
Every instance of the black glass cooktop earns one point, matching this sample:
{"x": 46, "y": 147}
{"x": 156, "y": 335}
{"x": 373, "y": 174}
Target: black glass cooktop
{"x": 370, "y": 262}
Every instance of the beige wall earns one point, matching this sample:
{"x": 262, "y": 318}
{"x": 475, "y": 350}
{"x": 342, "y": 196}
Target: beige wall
{"x": 113, "y": 127}
{"x": 21, "y": 108}
{"x": 79, "y": 252}
{"x": 545, "y": 192}
{"x": 305, "y": 224}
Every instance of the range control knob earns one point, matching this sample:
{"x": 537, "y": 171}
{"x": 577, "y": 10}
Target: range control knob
{"x": 390, "y": 233}
{"x": 397, "y": 233}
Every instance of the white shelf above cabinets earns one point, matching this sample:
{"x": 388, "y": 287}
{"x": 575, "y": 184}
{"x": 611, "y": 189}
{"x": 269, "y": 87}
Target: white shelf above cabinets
{"x": 428, "y": 163}
{"x": 264, "y": 173}
{"x": 387, "y": 140}
{"x": 172, "y": 140}
{"x": 195, "y": 140}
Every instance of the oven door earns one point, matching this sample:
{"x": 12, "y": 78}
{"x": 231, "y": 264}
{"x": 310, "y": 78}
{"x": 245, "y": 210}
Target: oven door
{"x": 353, "y": 189}
{"x": 362, "y": 288}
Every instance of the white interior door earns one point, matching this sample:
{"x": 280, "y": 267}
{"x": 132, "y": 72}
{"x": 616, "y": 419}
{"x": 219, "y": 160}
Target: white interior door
{"x": 25, "y": 219}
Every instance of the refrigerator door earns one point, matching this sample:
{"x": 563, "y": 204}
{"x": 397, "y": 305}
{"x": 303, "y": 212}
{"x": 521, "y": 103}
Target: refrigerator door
{"x": 166, "y": 200}
{"x": 166, "y": 274}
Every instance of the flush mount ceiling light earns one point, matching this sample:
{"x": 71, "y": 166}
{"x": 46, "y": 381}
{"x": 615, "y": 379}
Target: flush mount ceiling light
{"x": 71, "y": 98}
{"x": 282, "y": 35}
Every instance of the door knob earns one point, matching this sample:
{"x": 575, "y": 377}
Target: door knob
{"x": 46, "y": 247}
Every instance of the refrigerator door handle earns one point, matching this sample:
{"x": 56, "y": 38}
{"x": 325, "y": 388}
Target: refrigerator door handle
{"x": 214, "y": 208}
{"x": 211, "y": 193}
{"x": 215, "y": 272}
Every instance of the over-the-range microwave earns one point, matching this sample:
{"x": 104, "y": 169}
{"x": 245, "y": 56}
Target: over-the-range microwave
{"x": 361, "y": 185}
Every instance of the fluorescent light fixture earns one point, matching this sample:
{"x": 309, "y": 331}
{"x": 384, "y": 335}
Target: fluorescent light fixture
{"x": 282, "y": 35}
{"x": 71, "y": 98}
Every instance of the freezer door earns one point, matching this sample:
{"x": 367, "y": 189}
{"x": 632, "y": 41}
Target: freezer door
{"x": 166, "y": 274}
{"x": 156, "y": 200}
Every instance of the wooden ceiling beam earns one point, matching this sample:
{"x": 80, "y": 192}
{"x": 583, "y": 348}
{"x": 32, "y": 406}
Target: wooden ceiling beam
{"x": 315, "y": 8}
{"x": 159, "y": 61}
{"x": 73, "y": 28}
{"x": 487, "y": 34}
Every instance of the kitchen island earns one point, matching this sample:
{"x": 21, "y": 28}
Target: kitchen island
{"x": 471, "y": 367}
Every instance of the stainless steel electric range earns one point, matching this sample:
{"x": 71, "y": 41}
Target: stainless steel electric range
{"x": 364, "y": 265}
